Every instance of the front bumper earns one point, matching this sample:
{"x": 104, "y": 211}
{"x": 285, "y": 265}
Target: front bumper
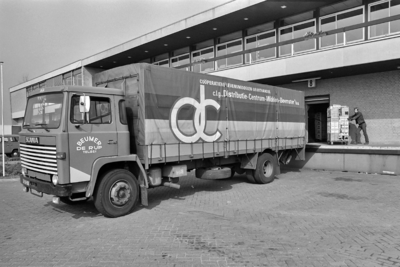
{"x": 46, "y": 187}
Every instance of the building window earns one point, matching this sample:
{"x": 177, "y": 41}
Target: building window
{"x": 260, "y": 28}
{"x": 296, "y": 31}
{"x": 67, "y": 79}
{"x": 229, "y": 48}
{"x": 163, "y": 63}
{"x": 381, "y": 10}
{"x": 181, "y": 60}
{"x": 78, "y": 79}
{"x": 340, "y": 6}
{"x": 341, "y": 20}
{"x": 162, "y": 60}
{"x": 198, "y": 56}
{"x": 259, "y": 40}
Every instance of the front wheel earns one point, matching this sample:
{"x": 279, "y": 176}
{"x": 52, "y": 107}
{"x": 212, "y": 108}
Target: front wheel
{"x": 117, "y": 193}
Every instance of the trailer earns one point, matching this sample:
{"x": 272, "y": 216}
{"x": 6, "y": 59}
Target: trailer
{"x": 142, "y": 126}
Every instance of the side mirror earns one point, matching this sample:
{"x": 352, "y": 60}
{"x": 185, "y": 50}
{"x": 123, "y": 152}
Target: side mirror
{"x": 84, "y": 104}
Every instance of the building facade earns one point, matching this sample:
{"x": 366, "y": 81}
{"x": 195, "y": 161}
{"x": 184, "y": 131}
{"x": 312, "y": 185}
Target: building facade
{"x": 337, "y": 52}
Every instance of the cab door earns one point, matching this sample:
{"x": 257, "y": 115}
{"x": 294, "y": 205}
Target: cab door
{"x": 92, "y": 135}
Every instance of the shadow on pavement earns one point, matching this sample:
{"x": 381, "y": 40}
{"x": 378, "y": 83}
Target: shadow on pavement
{"x": 79, "y": 210}
{"x": 189, "y": 186}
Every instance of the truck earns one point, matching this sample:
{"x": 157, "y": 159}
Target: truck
{"x": 142, "y": 126}
{"x": 11, "y": 146}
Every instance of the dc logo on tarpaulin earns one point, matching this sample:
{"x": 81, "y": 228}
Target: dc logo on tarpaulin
{"x": 199, "y": 118}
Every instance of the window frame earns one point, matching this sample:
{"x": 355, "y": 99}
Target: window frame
{"x": 197, "y": 51}
{"x": 85, "y": 122}
{"x": 25, "y": 126}
{"x": 292, "y": 53}
{"x": 226, "y": 44}
{"x": 177, "y": 67}
{"x": 389, "y": 24}
{"x": 157, "y": 63}
{"x": 256, "y": 35}
{"x": 345, "y": 42}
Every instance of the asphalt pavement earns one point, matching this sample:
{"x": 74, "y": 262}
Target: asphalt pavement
{"x": 304, "y": 218}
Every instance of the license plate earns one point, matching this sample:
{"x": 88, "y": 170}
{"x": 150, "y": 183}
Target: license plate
{"x": 25, "y": 182}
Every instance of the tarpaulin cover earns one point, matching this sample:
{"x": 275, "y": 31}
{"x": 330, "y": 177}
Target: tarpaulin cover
{"x": 175, "y": 108}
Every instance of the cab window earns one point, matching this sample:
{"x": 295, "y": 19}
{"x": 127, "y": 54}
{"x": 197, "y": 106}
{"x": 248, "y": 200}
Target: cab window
{"x": 122, "y": 112}
{"x": 100, "y": 111}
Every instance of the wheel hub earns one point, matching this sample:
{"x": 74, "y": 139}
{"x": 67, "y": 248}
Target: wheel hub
{"x": 267, "y": 169}
{"x": 120, "y": 193}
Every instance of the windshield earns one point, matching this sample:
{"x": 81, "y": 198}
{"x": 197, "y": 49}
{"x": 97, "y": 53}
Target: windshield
{"x": 44, "y": 111}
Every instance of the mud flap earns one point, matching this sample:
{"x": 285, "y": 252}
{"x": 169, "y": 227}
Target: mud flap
{"x": 143, "y": 195}
{"x": 278, "y": 166}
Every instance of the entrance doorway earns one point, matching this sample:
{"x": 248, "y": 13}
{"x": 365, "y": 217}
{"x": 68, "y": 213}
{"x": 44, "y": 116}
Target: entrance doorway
{"x": 317, "y": 118}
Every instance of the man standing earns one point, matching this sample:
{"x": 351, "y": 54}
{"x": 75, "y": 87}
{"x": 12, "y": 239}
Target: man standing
{"x": 358, "y": 117}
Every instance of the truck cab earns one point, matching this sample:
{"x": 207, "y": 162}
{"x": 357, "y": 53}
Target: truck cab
{"x": 65, "y": 131}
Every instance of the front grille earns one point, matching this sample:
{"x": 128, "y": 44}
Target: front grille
{"x": 39, "y": 158}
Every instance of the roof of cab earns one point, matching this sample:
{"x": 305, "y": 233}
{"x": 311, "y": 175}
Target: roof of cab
{"x": 79, "y": 89}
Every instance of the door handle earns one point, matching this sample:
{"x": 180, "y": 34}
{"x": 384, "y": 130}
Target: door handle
{"x": 111, "y": 142}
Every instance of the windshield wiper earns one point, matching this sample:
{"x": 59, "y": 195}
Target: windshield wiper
{"x": 27, "y": 124}
{"x": 42, "y": 124}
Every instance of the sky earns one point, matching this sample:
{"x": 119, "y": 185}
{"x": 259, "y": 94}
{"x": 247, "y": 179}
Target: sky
{"x": 39, "y": 36}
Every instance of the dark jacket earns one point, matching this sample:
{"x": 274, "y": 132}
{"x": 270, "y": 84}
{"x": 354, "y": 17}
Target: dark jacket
{"x": 358, "y": 117}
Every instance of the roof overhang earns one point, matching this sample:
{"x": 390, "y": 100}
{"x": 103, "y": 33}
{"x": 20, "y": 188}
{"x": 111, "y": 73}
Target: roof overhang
{"x": 226, "y": 18}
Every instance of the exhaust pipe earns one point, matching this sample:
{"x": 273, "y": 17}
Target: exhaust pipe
{"x": 172, "y": 185}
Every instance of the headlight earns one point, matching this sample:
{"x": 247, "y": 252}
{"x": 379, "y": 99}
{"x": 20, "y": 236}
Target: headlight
{"x": 55, "y": 179}
{"x": 24, "y": 171}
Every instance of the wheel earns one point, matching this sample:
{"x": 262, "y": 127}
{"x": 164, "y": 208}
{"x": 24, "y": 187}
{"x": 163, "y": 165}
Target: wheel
{"x": 266, "y": 169}
{"x": 117, "y": 193}
{"x": 15, "y": 153}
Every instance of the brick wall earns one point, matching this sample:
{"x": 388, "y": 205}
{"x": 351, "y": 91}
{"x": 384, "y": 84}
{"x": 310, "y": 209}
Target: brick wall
{"x": 377, "y": 95}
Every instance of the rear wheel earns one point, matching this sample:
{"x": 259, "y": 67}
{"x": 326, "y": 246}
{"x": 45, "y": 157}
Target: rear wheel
{"x": 117, "y": 193}
{"x": 266, "y": 169}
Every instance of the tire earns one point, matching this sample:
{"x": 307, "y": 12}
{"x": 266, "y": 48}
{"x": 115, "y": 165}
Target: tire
{"x": 117, "y": 193}
{"x": 68, "y": 201}
{"x": 266, "y": 169}
{"x": 209, "y": 174}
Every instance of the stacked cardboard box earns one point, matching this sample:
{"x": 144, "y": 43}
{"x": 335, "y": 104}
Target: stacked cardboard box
{"x": 338, "y": 124}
